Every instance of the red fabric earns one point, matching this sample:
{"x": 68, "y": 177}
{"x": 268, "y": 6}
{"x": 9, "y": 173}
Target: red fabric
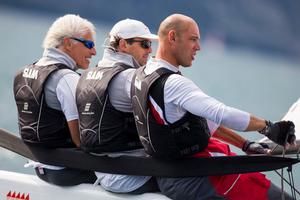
{"x": 155, "y": 114}
{"x": 248, "y": 186}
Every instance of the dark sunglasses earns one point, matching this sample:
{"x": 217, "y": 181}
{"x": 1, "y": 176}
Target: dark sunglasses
{"x": 87, "y": 43}
{"x": 145, "y": 44}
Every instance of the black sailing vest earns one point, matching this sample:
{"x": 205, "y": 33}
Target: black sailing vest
{"x": 38, "y": 123}
{"x": 185, "y": 137}
{"x": 102, "y": 127}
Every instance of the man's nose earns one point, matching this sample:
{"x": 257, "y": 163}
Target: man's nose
{"x": 93, "y": 51}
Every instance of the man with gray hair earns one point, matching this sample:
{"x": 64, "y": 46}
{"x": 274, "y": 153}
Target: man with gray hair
{"x": 104, "y": 104}
{"x": 45, "y": 95}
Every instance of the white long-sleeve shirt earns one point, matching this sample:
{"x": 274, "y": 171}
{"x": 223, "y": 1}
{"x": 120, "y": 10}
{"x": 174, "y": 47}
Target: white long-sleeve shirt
{"x": 182, "y": 95}
{"x": 119, "y": 96}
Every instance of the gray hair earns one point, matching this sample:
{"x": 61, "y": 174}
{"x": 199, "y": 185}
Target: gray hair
{"x": 67, "y": 26}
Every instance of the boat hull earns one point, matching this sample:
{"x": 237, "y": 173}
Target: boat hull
{"x": 30, "y": 187}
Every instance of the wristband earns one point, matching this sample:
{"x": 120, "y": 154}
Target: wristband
{"x": 266, "y": 130}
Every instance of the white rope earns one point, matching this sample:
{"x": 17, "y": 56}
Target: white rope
{"x": 290, "y": 182}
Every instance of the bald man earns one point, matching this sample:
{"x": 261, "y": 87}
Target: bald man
{"x": 172, "y": 116}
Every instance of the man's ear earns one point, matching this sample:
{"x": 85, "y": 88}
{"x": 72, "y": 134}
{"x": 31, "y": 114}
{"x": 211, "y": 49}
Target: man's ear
{"x": 67, "y": 44}
{"x": 172, "y": 36}
{"x": 123, "y": 45}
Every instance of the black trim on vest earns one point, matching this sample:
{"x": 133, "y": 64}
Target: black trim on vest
{"x": 102, "y": 127}
{"x": 185, "y": 137}
{"x": 38, "y": 123}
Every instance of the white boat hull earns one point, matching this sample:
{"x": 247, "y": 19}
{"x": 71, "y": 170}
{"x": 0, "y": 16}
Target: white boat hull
{"x": 30, "y": 187}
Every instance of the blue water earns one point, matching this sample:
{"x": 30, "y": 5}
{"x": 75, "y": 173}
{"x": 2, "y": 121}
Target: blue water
{"x": 264, "y": 85}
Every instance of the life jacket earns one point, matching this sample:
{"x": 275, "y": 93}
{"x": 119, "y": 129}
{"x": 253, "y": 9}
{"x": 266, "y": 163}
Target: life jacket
{"x": 102, "y": 127}
{"x": 185, "y": 137}
{"x": 38, "y": 123}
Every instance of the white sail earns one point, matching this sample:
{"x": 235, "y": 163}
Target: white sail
{"x": 293, "y": 115}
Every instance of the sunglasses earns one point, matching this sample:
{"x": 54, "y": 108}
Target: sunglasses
{"x": 145, "y": 44}
{"x": 87, "y": 43}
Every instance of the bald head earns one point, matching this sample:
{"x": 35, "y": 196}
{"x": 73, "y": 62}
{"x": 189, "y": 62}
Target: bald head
{"x": 178, "y": 40}
{"x": 177, "y": 22}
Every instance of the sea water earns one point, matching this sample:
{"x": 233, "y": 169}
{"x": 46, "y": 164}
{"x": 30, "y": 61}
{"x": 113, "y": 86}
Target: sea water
{"x": 262, "y": 84}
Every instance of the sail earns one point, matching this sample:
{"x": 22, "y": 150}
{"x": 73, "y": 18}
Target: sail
{"x": 293, "y": 115}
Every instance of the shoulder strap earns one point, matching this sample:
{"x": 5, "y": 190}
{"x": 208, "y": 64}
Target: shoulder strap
{"x": 157, "y": 92}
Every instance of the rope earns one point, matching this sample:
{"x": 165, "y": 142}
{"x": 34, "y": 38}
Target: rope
{"x": 291, "y": 179}
{"x": 286, "y": 181}
{"x": 290, "y": 182}
{"x": 282, "y": 185}
{"x": 272, "y": 150}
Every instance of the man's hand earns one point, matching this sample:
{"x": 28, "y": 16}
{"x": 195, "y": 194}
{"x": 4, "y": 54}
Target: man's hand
{"x": 256, "y": 148}
{"x": 282, "y": 132}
